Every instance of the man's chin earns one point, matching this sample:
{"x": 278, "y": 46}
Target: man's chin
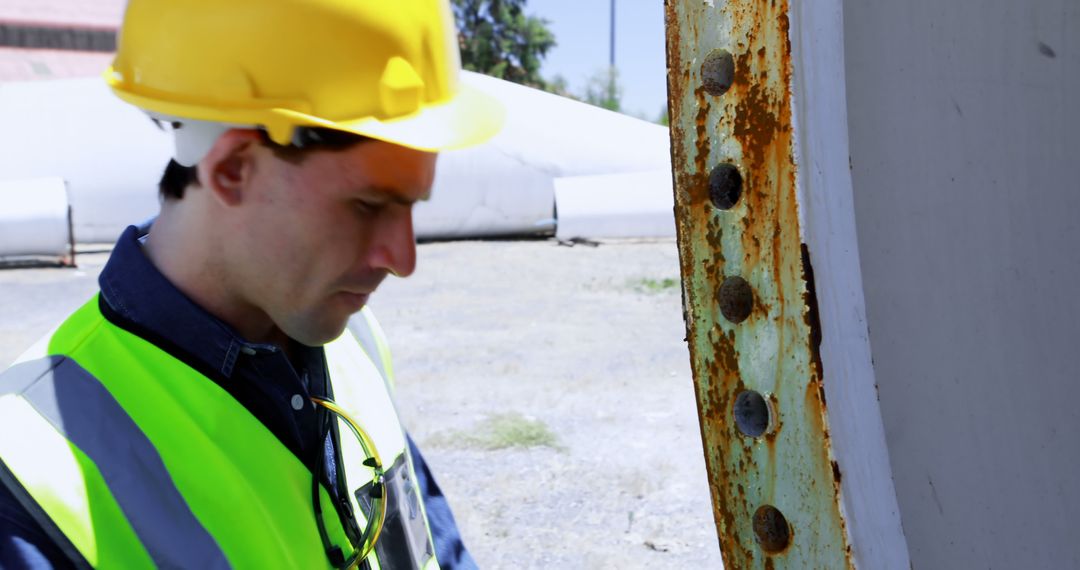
{"x": 354, "y": 301}
{"x": 320, "y": 334}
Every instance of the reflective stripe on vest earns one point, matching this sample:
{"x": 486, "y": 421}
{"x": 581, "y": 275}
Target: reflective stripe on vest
{"x": 141, "y": 461}
{"x": 82, "y": 411}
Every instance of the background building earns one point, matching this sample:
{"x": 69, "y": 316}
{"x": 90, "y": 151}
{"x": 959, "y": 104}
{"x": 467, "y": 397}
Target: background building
{"x": 56, "y": 39}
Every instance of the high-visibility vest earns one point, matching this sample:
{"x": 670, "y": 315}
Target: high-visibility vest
{"x": 130, "y": 458}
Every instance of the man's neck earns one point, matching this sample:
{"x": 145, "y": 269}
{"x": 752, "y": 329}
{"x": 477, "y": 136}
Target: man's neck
{"x": 188, "y": 253}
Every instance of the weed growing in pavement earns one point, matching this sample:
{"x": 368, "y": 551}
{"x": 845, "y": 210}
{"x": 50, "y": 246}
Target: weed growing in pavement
{"x": 501, "y": 431}
{"x": 650, "y": 285}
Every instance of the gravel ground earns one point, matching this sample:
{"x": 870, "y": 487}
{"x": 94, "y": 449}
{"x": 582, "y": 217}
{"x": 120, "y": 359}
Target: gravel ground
{"x": 549, "y": 387}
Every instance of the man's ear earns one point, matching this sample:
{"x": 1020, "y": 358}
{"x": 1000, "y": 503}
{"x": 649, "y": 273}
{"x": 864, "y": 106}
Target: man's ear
{"x": 227, "y": 169}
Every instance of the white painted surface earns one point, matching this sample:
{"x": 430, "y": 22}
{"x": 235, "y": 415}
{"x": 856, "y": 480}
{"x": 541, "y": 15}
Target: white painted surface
{"x": 963, "y": 118}
{"x": 868, "y": 499}
{"x": 34, "y": 218}
{"x": 634, "y": 205}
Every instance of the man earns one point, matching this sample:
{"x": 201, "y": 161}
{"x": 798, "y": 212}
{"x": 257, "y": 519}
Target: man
{"x": 208, "y": 407}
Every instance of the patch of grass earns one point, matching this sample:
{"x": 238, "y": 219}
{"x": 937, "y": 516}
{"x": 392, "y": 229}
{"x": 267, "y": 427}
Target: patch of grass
{"x": 650, "y": 285}
{"x": 501, "y": 431}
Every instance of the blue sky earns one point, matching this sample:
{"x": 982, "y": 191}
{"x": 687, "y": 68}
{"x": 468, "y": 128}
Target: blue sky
{"x": 581, "y": 29}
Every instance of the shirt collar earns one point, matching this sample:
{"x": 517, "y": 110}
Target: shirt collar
{"x": 137, "y": 292}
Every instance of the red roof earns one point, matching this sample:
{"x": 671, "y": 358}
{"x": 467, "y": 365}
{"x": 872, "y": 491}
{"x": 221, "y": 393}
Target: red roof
{"x": 83, "y": 13}
{"x": 17, "y": 64}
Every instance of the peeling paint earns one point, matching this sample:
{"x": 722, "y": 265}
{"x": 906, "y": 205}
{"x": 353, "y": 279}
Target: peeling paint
{"x": 775, "y": 349}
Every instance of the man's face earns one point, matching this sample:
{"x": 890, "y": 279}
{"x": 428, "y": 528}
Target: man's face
{"x": 315, "y": 238}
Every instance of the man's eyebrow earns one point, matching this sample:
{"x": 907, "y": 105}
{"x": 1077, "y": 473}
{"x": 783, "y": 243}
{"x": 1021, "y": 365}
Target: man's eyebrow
{"x": 392, "y": 195}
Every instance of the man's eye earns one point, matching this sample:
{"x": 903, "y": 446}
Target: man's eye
{"x": 366, "y": 207}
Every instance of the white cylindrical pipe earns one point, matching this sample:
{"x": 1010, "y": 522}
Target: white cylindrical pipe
{"x": 35, "y": 219}
{"x": 112, "y": 157}
{"x": 631, "y": 205}
{"x": 506, "y": 185}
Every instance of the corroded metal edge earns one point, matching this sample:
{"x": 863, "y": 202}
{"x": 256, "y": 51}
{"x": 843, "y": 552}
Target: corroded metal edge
{"x": 775, "y": 350}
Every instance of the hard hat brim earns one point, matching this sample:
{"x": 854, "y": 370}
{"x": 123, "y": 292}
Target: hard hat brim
{"x": 468, "y": 118}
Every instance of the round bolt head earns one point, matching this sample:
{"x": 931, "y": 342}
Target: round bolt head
{"x": 725, "y": 186}
{"x": 718, "y": 72}
{"x": 771, "y": 529}
{"x": 736, "y": 299}
{"x": 752, "y": 414}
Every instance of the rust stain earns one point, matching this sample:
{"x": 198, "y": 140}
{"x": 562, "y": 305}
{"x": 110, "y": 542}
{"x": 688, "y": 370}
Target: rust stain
{"x": 812, "y": 320}
{"x": 701, "y": 165}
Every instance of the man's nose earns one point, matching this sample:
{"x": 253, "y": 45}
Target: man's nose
{"x": 394, "y": 245}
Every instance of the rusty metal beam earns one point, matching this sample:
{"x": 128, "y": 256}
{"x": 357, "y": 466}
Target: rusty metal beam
{"x": 748, "y": 287}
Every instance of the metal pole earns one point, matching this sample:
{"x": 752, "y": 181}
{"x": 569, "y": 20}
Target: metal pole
{"x": 611, "y": 51}
{"x": 611, "y": 58}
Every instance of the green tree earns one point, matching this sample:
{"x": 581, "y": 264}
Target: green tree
{"x": 497, "y": 39}
{"x": 603, "y": 89}
{"x": 662, "y": 118}
{"x": 559, "y": 86}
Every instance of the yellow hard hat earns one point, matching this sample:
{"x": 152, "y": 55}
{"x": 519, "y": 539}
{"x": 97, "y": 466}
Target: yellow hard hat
{"x": 386, "y": 69}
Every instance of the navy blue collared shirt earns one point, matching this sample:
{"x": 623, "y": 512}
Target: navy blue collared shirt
{"x": 273, "y": 387}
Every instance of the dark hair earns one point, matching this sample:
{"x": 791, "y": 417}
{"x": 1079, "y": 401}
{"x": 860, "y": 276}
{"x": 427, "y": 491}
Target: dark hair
{"x": 178, "y": 177}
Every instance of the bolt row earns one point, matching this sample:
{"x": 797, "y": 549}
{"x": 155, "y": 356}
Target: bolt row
{"x": 753, "y": 413}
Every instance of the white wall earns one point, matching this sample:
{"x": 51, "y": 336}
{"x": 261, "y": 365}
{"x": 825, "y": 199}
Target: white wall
{"x": 963, "y": 120}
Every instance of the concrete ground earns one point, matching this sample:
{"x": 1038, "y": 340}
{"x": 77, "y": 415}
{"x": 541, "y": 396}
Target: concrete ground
{"x": 549, "y": 387}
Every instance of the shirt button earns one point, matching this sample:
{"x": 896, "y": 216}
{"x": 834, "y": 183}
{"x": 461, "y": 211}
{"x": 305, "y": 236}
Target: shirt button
{"x": 297, "y": 402}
